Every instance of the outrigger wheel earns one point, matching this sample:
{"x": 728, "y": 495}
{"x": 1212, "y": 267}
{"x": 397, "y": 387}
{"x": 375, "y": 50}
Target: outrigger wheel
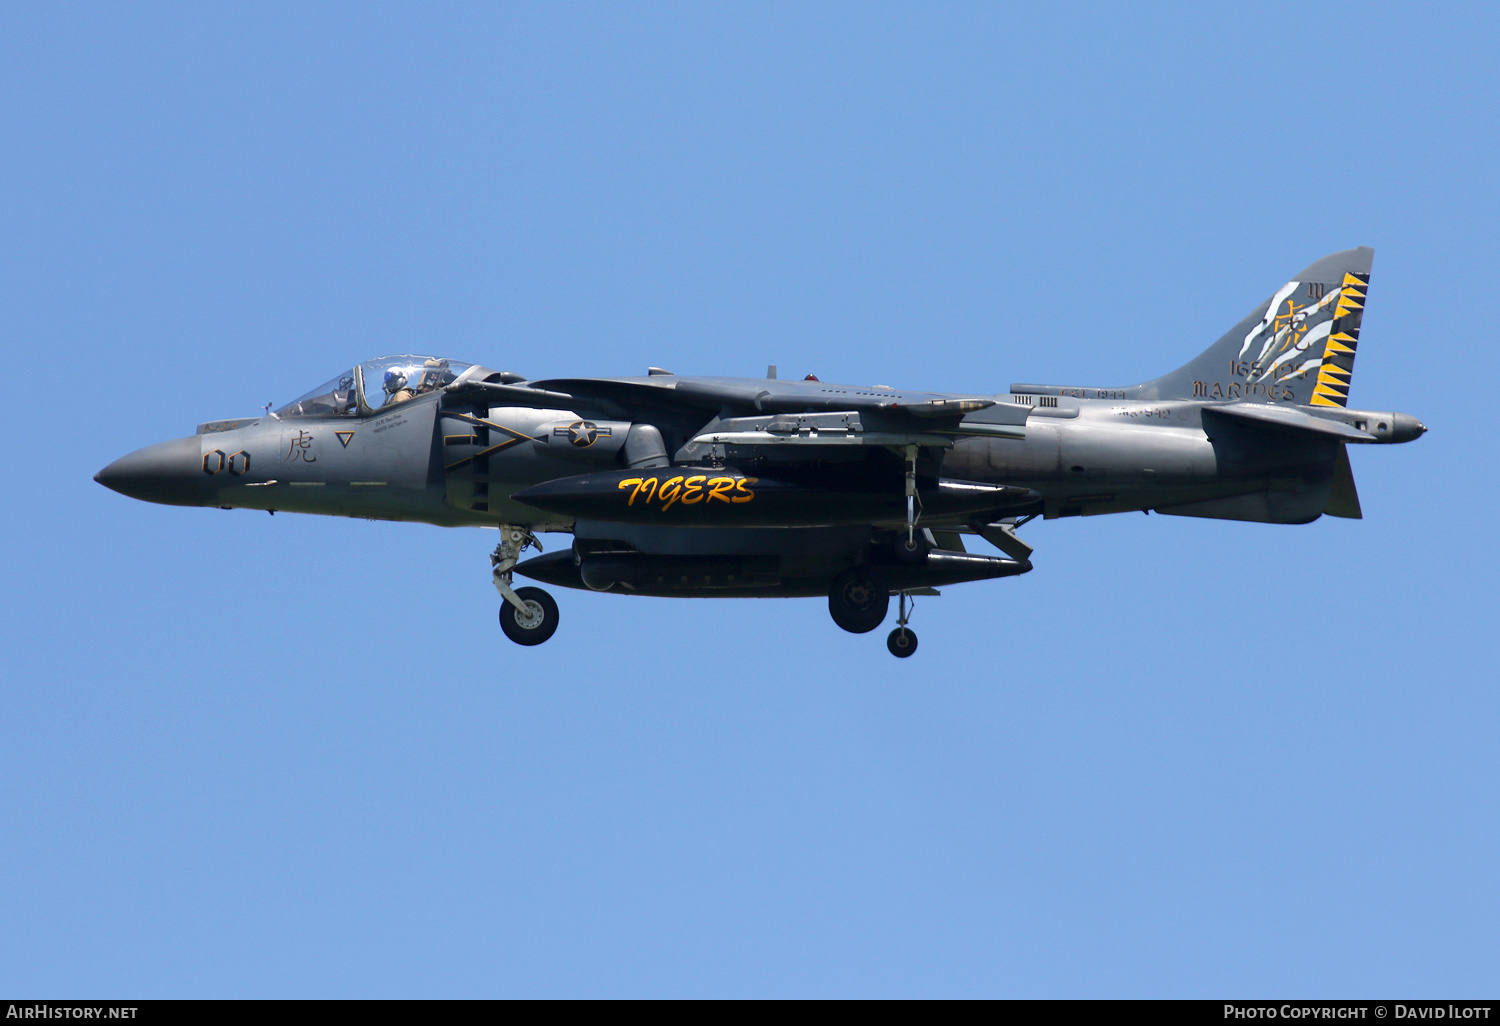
{"x": 902, "y": 642}
{"x": 912, "y": 546}
{"x": 534, "y": 626}
{"x": 858, "y": 600}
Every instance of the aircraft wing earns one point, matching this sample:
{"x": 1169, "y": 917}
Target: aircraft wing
{"x": 772, "y": 396}
{"x": 775, "y": 413}
{"x": 847, "y": 427}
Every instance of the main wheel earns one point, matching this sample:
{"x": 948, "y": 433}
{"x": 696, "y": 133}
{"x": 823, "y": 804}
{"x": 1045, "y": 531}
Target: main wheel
{"x": 902, "y": 642}
{"x": 532, "y": 629}
{"x": 858, "y": 600}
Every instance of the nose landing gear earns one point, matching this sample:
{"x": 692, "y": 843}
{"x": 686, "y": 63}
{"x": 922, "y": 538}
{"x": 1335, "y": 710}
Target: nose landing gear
{"x": 529, "y": 615}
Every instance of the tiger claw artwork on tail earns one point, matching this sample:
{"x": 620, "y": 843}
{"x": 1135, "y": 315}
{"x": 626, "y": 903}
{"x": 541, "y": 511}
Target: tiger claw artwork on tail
{"x": 1298, "y": 346}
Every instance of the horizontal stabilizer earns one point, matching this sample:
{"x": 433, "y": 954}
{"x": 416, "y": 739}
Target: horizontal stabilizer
{"x": 1297, "y": 420}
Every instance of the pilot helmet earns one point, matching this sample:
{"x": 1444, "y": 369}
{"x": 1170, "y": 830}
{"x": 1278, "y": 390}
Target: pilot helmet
{"x": 395, "y": 380}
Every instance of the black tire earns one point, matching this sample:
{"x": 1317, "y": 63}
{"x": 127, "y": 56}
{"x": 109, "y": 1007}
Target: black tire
{"x": 912, "y": 550}
{"x": 544, "y": 624}
{"x": 858, "y": 600}
{"x": 902, "y": 642}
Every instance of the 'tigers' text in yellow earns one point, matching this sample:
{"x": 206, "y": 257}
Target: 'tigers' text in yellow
{"x": 689, "y": 490}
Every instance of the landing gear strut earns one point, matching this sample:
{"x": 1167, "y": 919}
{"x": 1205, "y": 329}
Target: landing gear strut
{"x": 529, "y": 615}
{"x": 912, "y": 546}
{"x": 901, "y": 641}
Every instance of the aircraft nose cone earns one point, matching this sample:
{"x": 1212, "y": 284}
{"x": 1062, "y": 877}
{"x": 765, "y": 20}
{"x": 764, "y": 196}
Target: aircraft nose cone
{"x": 168, "y": 472}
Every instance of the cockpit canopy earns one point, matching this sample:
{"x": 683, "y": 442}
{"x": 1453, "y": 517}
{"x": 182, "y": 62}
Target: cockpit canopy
{"x": 375, "y": 385}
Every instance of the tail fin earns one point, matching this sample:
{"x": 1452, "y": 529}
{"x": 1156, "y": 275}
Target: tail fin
{"x": 1298, "y": 346}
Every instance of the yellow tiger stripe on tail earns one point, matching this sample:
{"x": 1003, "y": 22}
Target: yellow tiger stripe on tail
{"x": 1336, "y": 368}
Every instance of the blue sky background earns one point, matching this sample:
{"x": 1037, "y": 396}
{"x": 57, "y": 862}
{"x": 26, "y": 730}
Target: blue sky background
{"x": 290, "y": 756}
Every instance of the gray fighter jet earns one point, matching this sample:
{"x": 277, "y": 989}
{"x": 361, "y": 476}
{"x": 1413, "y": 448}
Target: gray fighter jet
{"x": 690, "y": 486}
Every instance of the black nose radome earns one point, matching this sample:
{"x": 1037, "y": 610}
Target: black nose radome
{"x": 168, "y": 472}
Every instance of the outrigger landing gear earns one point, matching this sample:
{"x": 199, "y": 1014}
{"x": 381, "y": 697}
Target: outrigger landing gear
{"x": 912, "y": 546}
{"x": 902, "y": 642}
{"x": 529, "y": 615}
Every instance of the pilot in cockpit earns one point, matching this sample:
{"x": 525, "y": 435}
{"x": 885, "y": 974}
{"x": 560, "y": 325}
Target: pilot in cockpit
{"x": 403, "y": 383}
{"x": 396, "y": 387}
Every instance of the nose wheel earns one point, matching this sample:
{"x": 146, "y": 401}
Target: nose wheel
{"x": 536, "y": 623}
{"x": 902, "y": 641}
{"x": 528, "y": 616}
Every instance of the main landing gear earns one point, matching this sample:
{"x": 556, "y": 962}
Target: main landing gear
{"x": 858, "y": 602}
{"x": 528, "y": 616}
{"x": 859, "y": 598}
